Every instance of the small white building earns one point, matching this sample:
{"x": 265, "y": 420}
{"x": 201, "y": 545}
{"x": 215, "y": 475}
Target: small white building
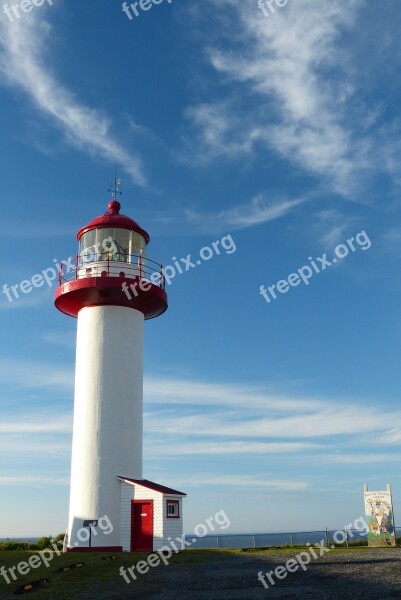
{"x": 151, "y": 515}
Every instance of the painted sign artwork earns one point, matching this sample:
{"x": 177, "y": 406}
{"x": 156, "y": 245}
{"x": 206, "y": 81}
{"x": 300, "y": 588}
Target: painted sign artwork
{"x": 379, "y": 518}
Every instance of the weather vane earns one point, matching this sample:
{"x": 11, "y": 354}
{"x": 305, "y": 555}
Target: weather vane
{"x": 114, "y": 188}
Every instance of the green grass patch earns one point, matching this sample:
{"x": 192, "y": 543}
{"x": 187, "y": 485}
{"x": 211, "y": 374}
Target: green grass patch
{"x": 96, "y": 574}
{"x": 66, "y": 585}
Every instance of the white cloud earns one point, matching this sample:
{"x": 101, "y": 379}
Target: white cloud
{"x": 216, "y": 123}
{"x": 24, "y": 44}
{"x": 33, "y": 480}
{"x": 246, "y": 481}
{"x": 37, "y": 423}
{"x": 170, "y": 447}
{"x": 237, "y": 411}
{"x": 27, "y": 446}
{"x": 65, "y": 339}
{"x": 258, "y": 211}
{"x": 329, "y": 420}
{"x": 331, "y": 225}
{"x": 362, "y": 459}
{"x": 35, "y": 434}
{"x": 24, "y": 374}
{"x": 280, "y": 66}
{"x": 180, "y": 391}
{"x": 24, "y": 302}
{"x": 393, "y": 436}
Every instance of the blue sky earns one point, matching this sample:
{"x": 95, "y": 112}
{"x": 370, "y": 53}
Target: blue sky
{"x": 281, "y": 131}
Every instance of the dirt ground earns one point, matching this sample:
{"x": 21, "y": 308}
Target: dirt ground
{"x": 372, "y": 574}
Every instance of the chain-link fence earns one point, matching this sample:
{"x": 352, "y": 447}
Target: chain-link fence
{"x": 345, "y": 537}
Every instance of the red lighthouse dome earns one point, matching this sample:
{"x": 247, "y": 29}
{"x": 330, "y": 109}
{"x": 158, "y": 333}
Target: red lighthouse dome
{"x": 111, "y": 268}
{"x": 112, "y": 218}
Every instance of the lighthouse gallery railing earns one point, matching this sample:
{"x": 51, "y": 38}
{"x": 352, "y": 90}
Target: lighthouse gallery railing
{"x": 125, "y": 266}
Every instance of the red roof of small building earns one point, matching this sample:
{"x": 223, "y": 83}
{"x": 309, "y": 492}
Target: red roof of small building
{"x": 151, "y": 485}
{"x": 112, "y": 218}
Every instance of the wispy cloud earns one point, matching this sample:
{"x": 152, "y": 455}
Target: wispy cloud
{"x": 37, "y": 424}
{"x": 23, "y": 46}
{"x": 33, "y": 480}
{"x": 328, "y": 421}
{"x": 193, "y": 447}
{"x": 37, "y": 299}
{"x": 181, "y": 391}
{"x": 393, "y": 436}
{"x": 258, "y": 211}
{"x": 24, "y": 374}
{"x": 215, "y": 123}
{"x": 20, "y": 444}
{"x": 361, "y": 459}
{"x": 237, "y": 411}
{"x": 36, "y": 229}
{"x": 64, "y": 339}
{"x": 331, "y": 225}
{"x": 37, "y": 434}
{"x": 241, "y": 481}
{"x": 281, "y": 68}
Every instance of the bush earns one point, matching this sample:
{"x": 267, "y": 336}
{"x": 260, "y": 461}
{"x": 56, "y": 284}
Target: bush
{"x": 42, "y": 544}
{"x": 15, "y": 546}
{"x": 59, "y": 538}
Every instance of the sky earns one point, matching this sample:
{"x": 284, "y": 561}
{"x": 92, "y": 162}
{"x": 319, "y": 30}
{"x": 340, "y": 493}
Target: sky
{"x": 277, "y": 135}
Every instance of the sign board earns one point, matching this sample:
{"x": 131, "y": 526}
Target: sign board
{"x": 90, "y": 523}
{"x": 379, "y": 517}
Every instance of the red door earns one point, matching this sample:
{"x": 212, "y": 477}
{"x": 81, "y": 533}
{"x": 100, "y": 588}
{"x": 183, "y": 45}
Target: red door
{"x": 142, "y": 526}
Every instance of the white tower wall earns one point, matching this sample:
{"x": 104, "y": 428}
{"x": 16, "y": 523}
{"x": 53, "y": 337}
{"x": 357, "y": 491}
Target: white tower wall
{"x": 108, "y": 417}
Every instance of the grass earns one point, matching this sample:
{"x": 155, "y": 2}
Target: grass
{"x": 65, "y": 585}
{"x": 96, "y": 572}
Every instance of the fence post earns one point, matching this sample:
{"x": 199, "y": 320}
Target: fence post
{"x": 326, "y": 536}
{"x": 217, "y": 541}
{"x": 346, "y": 536}
{"x": 291, "y": 539}
{"x": 254, "y": 542}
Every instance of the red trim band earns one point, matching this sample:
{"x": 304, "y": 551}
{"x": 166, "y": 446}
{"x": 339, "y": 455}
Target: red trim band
{"x": 71, "y": 297}
{"x": 96, "y": 549}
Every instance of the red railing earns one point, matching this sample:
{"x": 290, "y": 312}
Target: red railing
{"x": 131, "y": 266}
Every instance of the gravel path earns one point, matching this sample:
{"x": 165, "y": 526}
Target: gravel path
{"x": 368, "y": 575}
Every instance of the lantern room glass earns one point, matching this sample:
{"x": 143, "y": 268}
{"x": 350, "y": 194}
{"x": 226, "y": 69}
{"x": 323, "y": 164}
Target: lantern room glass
{"x": 112, "y": 244}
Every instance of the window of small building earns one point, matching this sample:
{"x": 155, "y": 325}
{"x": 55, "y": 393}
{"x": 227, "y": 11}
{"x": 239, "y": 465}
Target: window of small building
{"x": 173, "y": 509}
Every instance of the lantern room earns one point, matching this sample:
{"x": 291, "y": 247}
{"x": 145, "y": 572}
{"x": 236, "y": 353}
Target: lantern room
{"x": 112, "y": 238}
{"x": 111, "y": 261}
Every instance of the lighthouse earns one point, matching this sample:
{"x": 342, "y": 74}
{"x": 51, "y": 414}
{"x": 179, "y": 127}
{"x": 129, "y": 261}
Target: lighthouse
{"x": 111, "y": 290}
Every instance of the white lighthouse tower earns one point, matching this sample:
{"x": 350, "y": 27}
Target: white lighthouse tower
{"x": 112, "y": 289}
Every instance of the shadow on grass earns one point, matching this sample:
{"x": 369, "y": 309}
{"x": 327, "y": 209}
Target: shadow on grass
{"x": 95, "y": 576}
